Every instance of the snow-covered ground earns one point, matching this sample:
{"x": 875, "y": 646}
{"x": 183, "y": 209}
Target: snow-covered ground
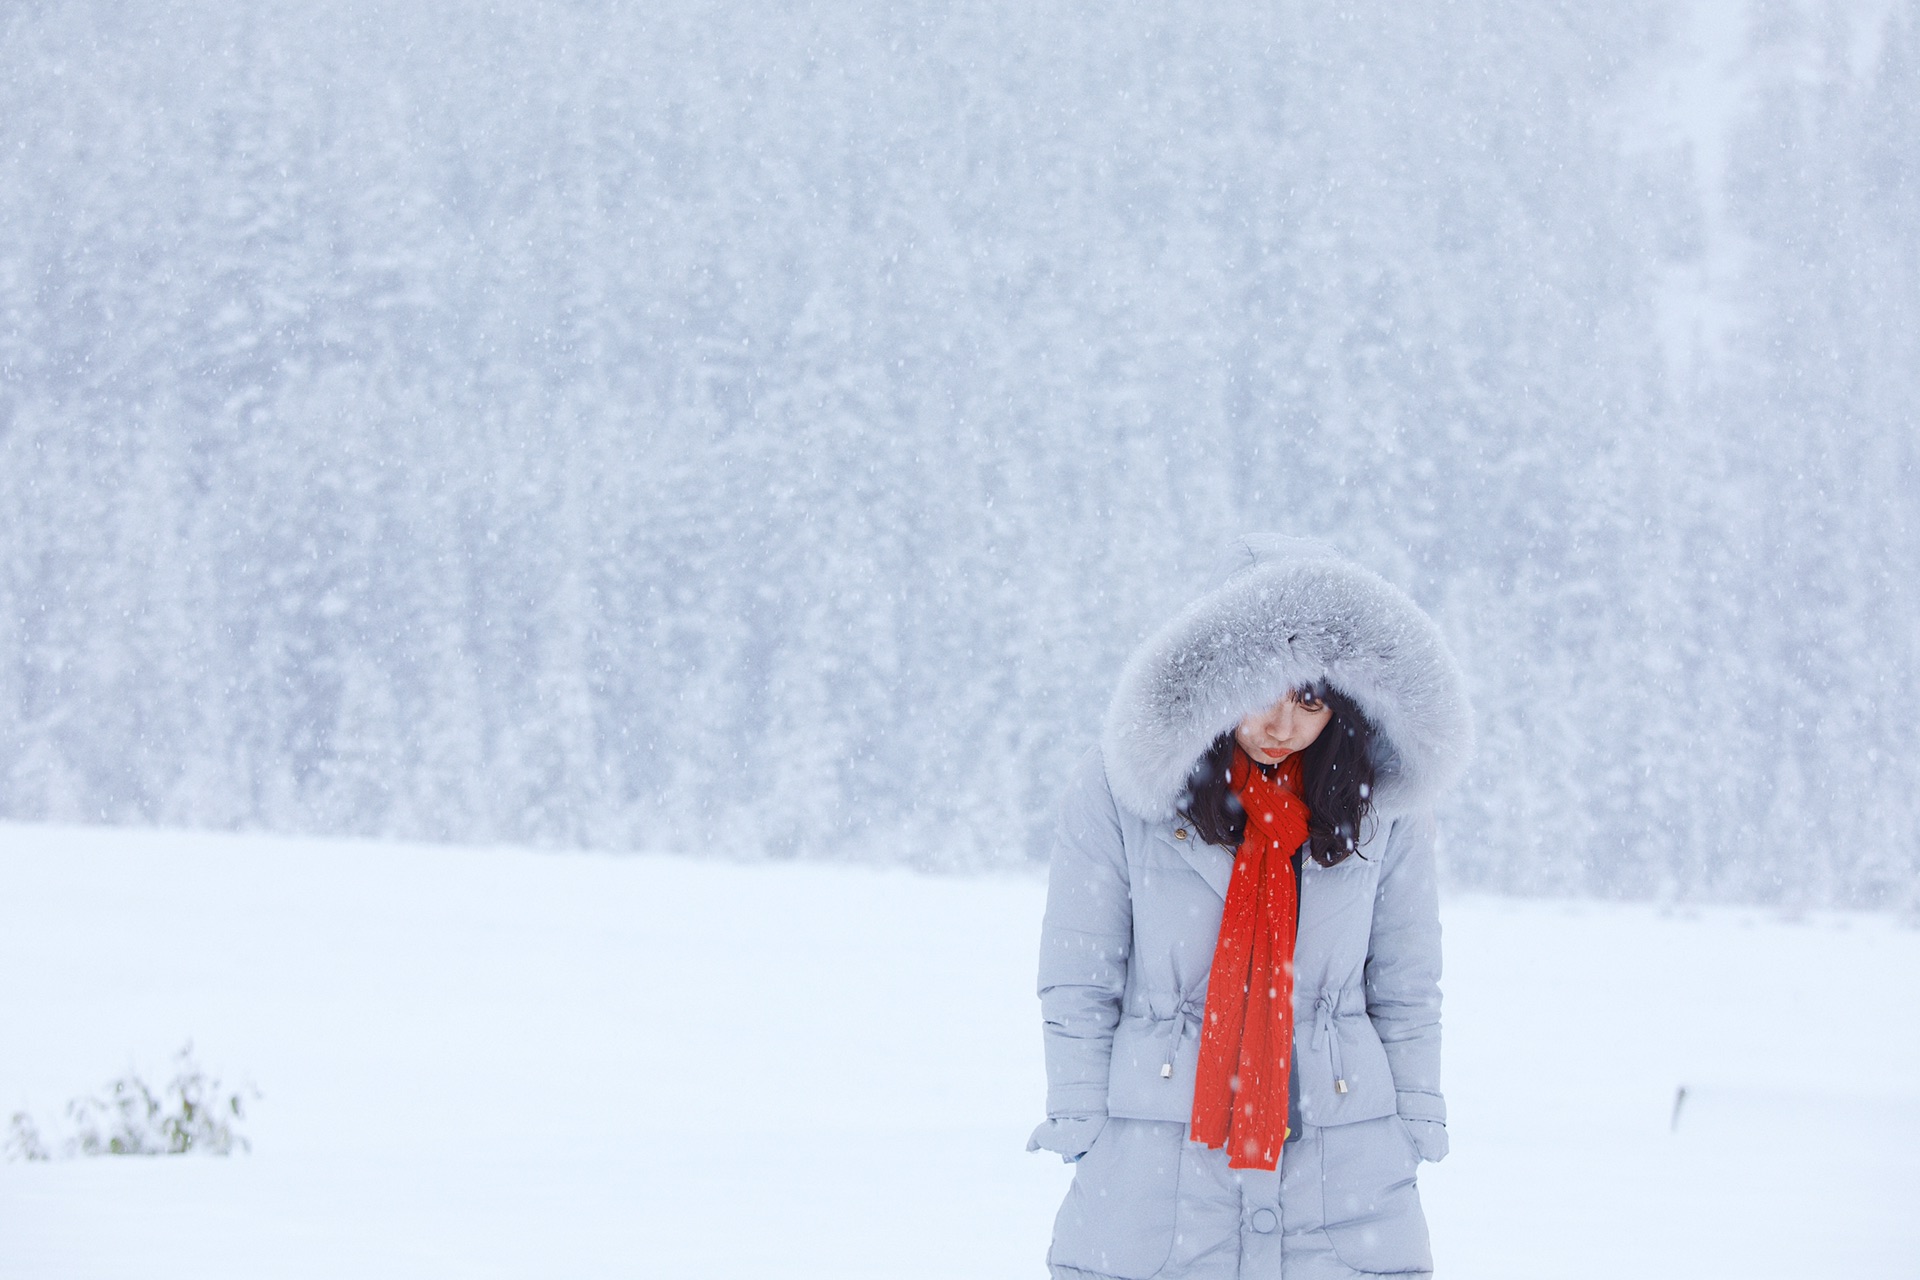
{"x": 496, "y": 1062}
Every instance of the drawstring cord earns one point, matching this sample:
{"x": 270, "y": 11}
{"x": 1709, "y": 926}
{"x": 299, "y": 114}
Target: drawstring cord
{"x": 1186, "y": 1018}
{"x": 1324, "y": 1008}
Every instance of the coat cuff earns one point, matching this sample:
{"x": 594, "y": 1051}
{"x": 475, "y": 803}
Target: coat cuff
{"x": 1069, "y": 1136}
{"x": 1419, "y": 1104}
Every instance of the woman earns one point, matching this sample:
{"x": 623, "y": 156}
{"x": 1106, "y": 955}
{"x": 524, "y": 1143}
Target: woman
{"x": 1258, "y": 806}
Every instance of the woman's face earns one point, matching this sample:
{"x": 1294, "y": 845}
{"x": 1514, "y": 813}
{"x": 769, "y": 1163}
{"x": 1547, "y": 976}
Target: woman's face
{"x": 1287, "y": 726}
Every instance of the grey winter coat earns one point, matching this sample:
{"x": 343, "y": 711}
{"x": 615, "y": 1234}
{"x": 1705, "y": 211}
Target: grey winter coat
{"x": 1134, "y": 907}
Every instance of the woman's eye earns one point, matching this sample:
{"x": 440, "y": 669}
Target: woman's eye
{"x": 1311, "y": 704}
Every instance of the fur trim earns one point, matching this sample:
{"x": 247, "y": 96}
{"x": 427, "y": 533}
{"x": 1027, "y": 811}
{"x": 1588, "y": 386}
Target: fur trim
{"x": 1289, "y": 612}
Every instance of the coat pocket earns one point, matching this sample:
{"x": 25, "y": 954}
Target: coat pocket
{"x": 1373, "y": 1207}
{"x": 1118, "y": 1216}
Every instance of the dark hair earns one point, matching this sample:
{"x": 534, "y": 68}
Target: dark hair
{"x": 1336, "y": 773}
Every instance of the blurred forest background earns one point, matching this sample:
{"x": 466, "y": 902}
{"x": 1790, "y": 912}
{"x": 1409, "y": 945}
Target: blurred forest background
{"x": 765, "y": 428}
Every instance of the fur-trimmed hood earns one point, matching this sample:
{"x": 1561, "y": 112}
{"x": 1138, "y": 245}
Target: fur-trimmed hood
{"x": 1289, "y": 611}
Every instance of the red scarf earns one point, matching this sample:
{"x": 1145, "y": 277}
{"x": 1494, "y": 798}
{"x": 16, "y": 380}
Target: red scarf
{"x": 1247, "y": 1038}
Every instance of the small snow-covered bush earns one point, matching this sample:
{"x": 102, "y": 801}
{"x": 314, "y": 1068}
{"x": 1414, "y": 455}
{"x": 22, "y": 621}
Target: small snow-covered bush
{"x": 193, "y": 1113}
{"x": 23, "y": 1139}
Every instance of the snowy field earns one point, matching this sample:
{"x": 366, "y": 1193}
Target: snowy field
{"x": 495, "y": 1062}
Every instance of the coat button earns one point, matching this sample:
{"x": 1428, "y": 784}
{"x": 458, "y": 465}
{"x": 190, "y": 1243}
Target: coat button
{"x": 1265, "y": 1220}
{"x": 1179, "y": 833}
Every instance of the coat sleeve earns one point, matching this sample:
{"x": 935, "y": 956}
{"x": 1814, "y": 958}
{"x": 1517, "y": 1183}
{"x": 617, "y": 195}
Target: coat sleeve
{"x": 1085, "y": 942}
{"x": 1403, "y": 969}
